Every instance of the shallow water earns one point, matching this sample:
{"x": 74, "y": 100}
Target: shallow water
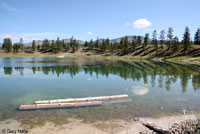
{"x": 154, "y": 88}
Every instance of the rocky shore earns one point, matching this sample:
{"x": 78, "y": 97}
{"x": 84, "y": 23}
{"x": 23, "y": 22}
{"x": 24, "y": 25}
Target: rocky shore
{"x": 184, "y": 124}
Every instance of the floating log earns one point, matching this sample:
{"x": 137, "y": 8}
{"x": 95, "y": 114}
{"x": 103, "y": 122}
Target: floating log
{"x": 59, "y": 105}
{"x": 101, "y": 98}
{"x": 124, "y": 100}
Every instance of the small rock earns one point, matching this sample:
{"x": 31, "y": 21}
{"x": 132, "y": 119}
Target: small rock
{"x": 136, "y": 119}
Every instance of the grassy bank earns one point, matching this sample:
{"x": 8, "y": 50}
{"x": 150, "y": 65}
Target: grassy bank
{"x": 191, "y": 57}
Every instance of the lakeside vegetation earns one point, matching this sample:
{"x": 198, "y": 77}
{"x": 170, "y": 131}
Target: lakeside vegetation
{"x": 166, "y": 45}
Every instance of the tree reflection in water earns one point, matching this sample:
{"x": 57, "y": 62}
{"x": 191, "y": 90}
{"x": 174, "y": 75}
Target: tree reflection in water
{"x": 161, "y": 72}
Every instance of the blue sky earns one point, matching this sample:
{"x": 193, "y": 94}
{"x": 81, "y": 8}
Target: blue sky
{"x": 86, "y": 19}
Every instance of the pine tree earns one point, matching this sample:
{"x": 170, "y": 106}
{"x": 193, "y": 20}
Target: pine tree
{"x": 68, "y": 47}
{"x": 34, "y": 46}
{"x": 103, "y": 46}
{"x": 58, "y": 44}
{"x": 133, "y": 44}
{"x": 139, "y": 41}
{"x": 76, "y": 45}
{"x": 21, "y": 42}
{"x": 154, "y": 40}
{"x": 115, "y": 45}
{"x": 126, "y": 44}
{"x": 107, "y": 43}
{"x": 38, "y": 47}
{"x": 186, "y": 39}
{"x": 71, "y": 41}
{"x": 45, "y": 45}
{"x": 16, "y": 47}
{"x": 86, "y": 44}
{"x": 122, "y": 43}
{"x": 162, "y": 38}
{"x": 170, "y": 37}
{"x": 91, "y": 45}
{"x": 146, "y": 40}
{"x": 135, "y": 38}
{"x": 197, "y": 37}
{"x": 175, "y": 44}
{"x": 7, "y": 45}
{"x": 63, "y": 45}
{"x": 97, "y": 43}
{"x": 53, "y": 46}
{"x": 112, "y": 47}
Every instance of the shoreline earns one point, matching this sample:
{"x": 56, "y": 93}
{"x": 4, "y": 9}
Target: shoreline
{"x": 134, "y": 125}
{"x": 178, "y": 60}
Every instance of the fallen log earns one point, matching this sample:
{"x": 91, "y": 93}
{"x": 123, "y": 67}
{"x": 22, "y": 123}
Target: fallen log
{"x": 124, "y": 100}
{"x": 59, "y": 105}
{"x": 101, "y": 98}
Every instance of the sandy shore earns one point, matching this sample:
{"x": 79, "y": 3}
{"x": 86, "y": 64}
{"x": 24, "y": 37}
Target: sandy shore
{"x": 133, "y": 126}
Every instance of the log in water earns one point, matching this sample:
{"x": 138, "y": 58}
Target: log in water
{"x": 100, "y": 98}
{"x": 59, "y": 105}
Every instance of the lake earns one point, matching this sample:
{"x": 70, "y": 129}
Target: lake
{"x": 154, "y": 88}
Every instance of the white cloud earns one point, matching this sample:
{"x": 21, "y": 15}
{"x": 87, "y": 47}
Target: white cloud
{"x": 139, "y": 90}
{"x": 7, "y": 7}
{"x": 31, "y": 36}
{"x": 141, "y": 23}
{"x": 89, "y": 33}
{"x": 16, "y": 37}
{"x": 127, "y": 24}
{"x": 89, "y": 79}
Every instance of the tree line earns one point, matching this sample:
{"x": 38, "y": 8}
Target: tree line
{"x": 168, "y": 39}
{"x": 46, "y": 46}
{"x": 164, "y": 39}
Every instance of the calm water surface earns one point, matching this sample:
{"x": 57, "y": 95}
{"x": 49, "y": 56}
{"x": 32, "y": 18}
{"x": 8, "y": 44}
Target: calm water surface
{"x": 154, "y": 88}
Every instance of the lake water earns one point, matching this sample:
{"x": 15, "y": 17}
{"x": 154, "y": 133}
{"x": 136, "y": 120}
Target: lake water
{"x": 154, "y": 88}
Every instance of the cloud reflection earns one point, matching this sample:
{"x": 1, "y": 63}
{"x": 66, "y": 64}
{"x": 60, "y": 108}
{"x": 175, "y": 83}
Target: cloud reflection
{"x": 139, "y": 90}
{"x": 89, "y": 79}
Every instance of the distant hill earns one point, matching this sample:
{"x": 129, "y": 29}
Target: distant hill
{"x": 65, "y": 40}
{"x": 130, "y": 38}
{"x": 79, "y": 41}
{"x": 37, "y": 42}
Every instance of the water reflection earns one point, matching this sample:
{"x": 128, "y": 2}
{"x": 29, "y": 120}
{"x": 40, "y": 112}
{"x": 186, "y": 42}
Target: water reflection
{"x": 154, "y": 73}
{"x": 139, "y": 90}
